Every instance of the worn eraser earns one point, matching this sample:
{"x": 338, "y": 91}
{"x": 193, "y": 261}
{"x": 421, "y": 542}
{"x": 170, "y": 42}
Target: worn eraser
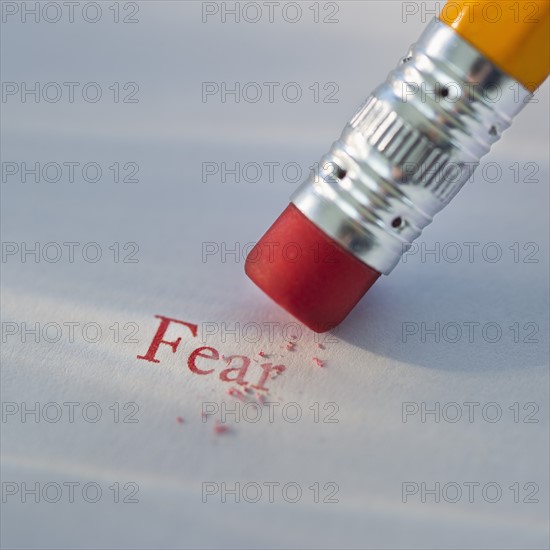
{"x": 307, "y": 273}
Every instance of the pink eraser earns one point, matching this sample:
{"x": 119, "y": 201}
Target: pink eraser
{"x": 307, "y": 273}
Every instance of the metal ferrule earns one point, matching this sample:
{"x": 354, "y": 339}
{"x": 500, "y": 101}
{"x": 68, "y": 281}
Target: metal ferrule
{"x": 410, "y": 147}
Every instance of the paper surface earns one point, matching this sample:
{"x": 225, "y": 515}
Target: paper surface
{"x": 366, "y": 454}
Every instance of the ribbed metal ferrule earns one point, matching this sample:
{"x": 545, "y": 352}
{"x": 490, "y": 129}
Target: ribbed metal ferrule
{"x": 410, "y": 148}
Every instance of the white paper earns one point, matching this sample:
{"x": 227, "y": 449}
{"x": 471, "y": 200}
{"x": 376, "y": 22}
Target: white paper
{"x": 378, "y": 376}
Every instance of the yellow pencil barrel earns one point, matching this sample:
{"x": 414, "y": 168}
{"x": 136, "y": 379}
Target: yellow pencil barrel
{"x": 513, "y": 34}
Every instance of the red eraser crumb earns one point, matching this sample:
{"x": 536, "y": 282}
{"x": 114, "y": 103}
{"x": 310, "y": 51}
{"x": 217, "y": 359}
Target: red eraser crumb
{"x": 234, "y": 392}
{"x": 318, "y": 361}
{"x": 320, "y": 346}
{"x": 262, "y": 354}
{"x": 307, "y": 273}
{"x": 290, "y": 346}
{"x": 220, "y": 428}
{"x": 179, "y": 419}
